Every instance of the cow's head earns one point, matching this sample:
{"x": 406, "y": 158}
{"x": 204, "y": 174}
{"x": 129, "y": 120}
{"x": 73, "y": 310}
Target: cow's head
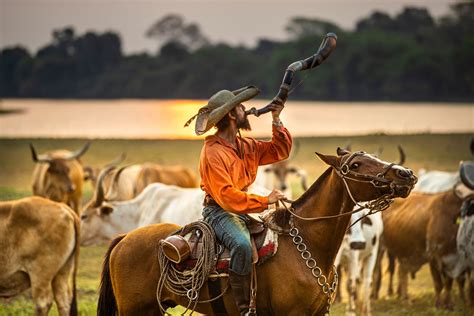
{"x": 280, "y": 170}
{"x": 96, "y": 224}
{"x": 58, "y": 182}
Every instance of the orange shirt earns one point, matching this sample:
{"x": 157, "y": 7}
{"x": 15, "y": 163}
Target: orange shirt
{"x": 226, "y": 177}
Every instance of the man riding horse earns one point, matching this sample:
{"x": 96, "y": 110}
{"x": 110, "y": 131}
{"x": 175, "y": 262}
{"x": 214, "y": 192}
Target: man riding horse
{"x": 228, "y": 166}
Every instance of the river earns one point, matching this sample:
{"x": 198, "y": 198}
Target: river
{"x": 145, "y": 119}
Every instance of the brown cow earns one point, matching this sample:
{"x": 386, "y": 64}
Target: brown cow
{"x": 422, "y": 229}
{"x": 59, "y": 176}
{"x": 128, "y": 182}
{"x": 39, "y": 241}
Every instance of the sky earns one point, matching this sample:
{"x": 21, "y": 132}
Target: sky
{"x": 29, "y": 23}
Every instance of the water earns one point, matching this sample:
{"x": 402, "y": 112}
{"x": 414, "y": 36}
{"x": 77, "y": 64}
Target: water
{"x": 165, "y": 118}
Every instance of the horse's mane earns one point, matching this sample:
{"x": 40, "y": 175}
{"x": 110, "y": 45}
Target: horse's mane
{"x": 281, "y": 216}
{"x": 312, "y": 189}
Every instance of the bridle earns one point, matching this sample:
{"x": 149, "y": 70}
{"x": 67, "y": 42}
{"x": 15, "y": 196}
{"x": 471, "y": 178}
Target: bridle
{"x": 345, "y": 173}
{"x": 383, "y": 202}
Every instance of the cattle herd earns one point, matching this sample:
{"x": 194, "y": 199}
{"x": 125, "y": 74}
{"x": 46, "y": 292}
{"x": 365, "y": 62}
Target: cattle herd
{"x": 40, "y": 235}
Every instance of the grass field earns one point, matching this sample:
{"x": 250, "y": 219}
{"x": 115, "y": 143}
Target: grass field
{"x": 441, "y": 152}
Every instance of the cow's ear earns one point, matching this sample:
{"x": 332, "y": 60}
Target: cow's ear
{"x": 105, "y": 209}
{"x": 328, "y": 159}
{"x": 88, "y": 174}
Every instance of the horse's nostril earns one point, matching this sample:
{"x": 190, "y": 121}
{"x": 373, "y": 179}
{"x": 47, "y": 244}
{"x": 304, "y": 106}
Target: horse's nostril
{"x": 404, "y": 173}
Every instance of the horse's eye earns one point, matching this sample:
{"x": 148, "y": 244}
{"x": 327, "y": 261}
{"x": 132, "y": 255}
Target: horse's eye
{"x": 83, "y": 216}
{"x": 355, "y": 165}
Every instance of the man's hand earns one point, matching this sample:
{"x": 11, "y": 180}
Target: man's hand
{"x": 276, "y": 109}
{"x": 275, "y": 196}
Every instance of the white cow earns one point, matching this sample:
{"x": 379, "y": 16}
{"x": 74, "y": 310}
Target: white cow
{"x": 436, "y": 181}
{"x": 358, "y": 254}
{"x": 158, "y": 203}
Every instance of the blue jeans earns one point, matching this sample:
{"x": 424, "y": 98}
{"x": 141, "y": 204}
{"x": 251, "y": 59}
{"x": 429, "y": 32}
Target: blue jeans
{"x": 231, "y": 229}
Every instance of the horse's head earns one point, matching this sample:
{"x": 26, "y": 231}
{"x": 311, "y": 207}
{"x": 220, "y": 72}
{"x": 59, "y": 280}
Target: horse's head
{"x": 369, "y": 178}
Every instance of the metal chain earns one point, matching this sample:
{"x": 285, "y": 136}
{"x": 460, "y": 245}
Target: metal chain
{"x": 311, "y": 263}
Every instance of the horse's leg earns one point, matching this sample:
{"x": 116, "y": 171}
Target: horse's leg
{"x": 437, "y": 282}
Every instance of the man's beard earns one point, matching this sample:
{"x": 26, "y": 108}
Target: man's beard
{"x": 244, "y": 124}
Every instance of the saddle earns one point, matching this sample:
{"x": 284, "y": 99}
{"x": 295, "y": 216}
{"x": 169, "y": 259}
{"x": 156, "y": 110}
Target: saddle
{"x": 185, "y": 246}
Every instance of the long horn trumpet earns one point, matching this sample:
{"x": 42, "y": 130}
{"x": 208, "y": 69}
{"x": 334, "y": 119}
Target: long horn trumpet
{"x": 325, "y": 49}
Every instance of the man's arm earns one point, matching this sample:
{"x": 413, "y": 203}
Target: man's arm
{"x": 280, "y": 146}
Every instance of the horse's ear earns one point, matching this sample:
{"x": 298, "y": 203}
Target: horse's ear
{"x": 328, "y": 159}
{"x": 342, "y": 152}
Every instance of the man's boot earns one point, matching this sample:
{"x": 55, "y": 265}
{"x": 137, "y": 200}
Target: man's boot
{"x": 240, "y": 285}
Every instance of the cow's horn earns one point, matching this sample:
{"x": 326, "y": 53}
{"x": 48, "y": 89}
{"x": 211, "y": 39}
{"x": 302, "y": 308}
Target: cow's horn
{"x": 79, "y": 152}
{"x": 40, "y": 158}
{"x": 114, "y": 183}
{"x": 402, "y": 155}
{"x": 99, "y": 192}
{"x": 117, "y": 160}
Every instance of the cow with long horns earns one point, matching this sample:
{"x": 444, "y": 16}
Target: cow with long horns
{"x": 59, "y": 176}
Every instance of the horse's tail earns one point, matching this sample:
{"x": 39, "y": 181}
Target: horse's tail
{"x": 107, "y": 305}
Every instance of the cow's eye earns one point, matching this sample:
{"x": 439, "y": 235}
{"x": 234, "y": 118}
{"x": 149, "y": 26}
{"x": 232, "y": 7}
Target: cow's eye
{"x": 355, "y": 165}
{"x": 83, "y": 217}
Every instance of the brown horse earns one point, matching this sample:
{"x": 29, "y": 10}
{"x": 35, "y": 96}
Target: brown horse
{"x": 286, "y": 285}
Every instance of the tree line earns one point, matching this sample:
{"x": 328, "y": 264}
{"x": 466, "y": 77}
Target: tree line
{"x": 408, "y": 57}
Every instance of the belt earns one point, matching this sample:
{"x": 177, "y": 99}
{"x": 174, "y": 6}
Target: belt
{"x": 209, "y": 201}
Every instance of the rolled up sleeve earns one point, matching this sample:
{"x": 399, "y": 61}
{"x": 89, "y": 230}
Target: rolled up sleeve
{"x": 277, "y": 149}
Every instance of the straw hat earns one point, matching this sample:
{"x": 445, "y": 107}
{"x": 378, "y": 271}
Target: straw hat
{"x": 218, "y": 106}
